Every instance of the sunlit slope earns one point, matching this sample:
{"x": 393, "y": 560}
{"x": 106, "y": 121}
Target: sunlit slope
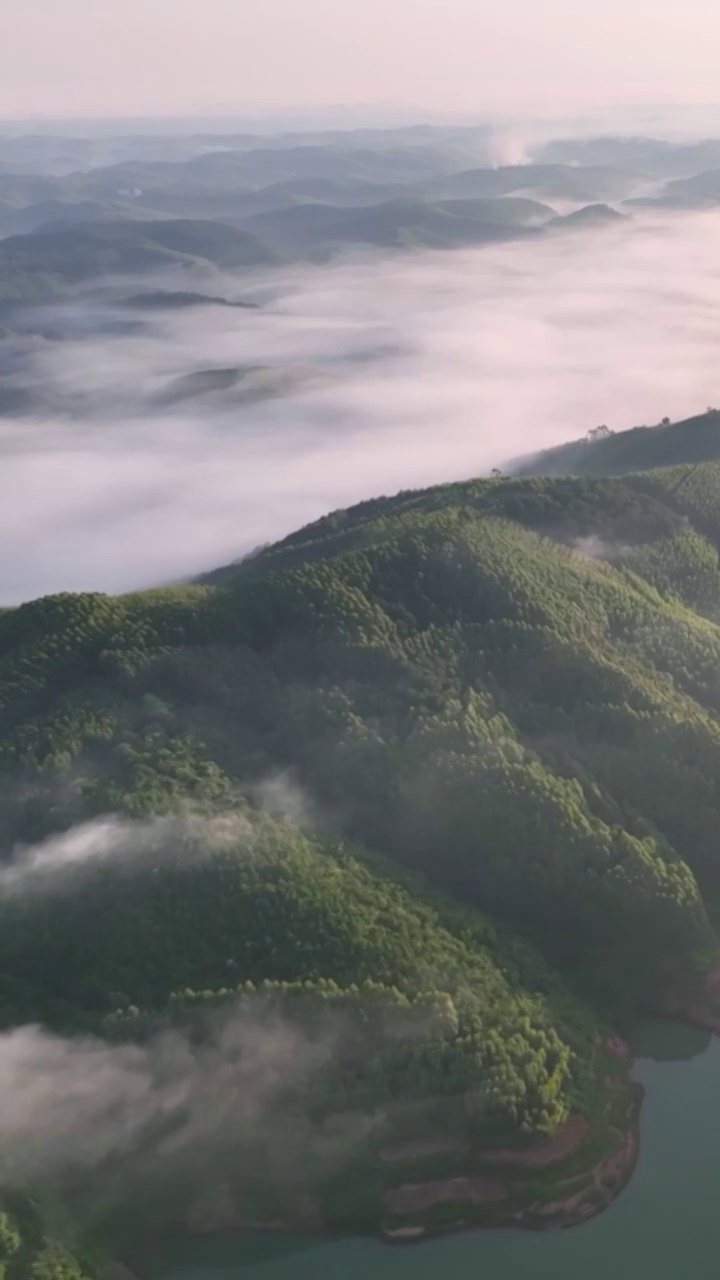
{"x": 249, "y": 905}
{"x": 443, "y": 769}
{"x": 643, "y": 448}
{"x": 457, "y": 678}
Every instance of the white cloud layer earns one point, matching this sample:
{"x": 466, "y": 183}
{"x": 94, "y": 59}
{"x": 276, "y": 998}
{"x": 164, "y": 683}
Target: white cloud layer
{"x": 413, "y": 370}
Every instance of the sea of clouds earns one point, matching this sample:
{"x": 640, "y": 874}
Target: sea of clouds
{"x": 385, "y": 372}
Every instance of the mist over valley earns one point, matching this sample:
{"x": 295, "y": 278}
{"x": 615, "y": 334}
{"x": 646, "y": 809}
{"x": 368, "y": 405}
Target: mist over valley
{"x": 359, "y": 695}
{"x": 177, "y": 392}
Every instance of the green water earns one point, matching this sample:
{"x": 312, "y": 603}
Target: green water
{"x": 666, "y": 1223}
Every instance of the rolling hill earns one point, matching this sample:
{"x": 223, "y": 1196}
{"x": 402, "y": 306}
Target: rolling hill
{"x": 33, "y": 266}
{"x": 24, "y": 219}
{"x": 397, "y": 224}
{"x": 233, "y": 182}
{"x": 591, "y": 215}
{"x": 440, "y": 772}
{"x": 608, "y": 453}
{"x": 589, "y": 184}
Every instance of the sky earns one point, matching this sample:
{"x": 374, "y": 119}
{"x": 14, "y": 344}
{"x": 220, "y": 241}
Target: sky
{"x": 137, "y": 57}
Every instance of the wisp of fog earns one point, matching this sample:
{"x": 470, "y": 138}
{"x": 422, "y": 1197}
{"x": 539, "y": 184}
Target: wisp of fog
{"x": 67, "y": 1105}
{"x": 70, "y": 1105}
{"x": 352, "y": 379}
{"x": 149, "y": 1112}
{"x": 45, "y": 867}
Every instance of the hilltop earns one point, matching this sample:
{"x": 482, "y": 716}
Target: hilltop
{"x": 606, "y": 453}
{"x": 35, "y": 266}
{"x": 399, "y": 223}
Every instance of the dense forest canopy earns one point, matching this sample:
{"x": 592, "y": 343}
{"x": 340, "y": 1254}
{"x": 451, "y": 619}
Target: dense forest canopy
{"x": 493, "y": 683}
{"x": 442, "y": 770}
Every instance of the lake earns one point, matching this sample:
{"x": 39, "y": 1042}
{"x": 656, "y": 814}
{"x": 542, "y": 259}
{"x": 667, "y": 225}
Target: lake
{"x": 666, "y": 1222}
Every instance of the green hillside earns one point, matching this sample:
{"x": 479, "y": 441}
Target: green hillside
{"x": 34, "y": 266}
{"x": 401, "y": 223}
{"x": 612, "y": 453}
{"x": 440, "y": 773}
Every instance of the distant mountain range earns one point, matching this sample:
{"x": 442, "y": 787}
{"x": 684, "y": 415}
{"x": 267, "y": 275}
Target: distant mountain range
{"x": 154, "y": 225}
{"x": 312, "y": 196}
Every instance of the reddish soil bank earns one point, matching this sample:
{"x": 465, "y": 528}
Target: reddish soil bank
{"x": 604, "y": 1182}
{"x": 712, "y": 983}
{"x": 114, "y": 1270}
{"x": 699, "y": 1009}
{"x": 423, "y": 1149}
{"x": 565, "y": 1139}
{"x": 609, "y": 1177}
{"x": 415, "y": 1197}
{"x": 403, "y": 1235}
{"x": 614, "y": 1172}
{"x": 618, "y": 1046}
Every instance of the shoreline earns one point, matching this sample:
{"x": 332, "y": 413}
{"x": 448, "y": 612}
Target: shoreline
{"x": 571, "y": 1213}
{"x": 602, "y": 1182}
{"x": 487, "y": 1189}
{"x": 609, "y": 1177}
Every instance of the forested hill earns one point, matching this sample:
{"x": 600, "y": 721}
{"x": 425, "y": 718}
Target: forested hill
{"x": 35, "y": 267}
{"x": 447, "y": 762}
{"x": 603, "y": 452}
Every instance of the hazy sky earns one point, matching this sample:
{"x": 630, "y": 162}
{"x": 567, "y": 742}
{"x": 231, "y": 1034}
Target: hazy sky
{"x": 143, "y": 56}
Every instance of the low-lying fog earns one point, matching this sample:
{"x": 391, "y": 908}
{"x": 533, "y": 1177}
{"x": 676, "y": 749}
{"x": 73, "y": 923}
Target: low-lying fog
{"x": 349, "y": 380}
